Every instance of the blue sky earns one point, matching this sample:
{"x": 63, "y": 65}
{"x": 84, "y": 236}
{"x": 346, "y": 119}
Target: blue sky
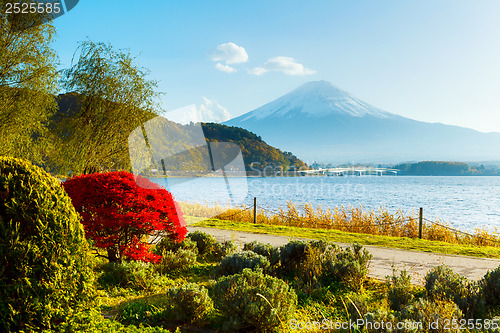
{"x": 436, "y": 61}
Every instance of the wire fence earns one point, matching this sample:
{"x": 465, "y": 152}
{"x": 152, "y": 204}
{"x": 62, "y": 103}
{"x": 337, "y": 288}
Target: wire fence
{"x": 462, "y": 232}
{"x": 407, "y": 226}
{"x": 238, "y": 212}
{"x": 260, "y": 210}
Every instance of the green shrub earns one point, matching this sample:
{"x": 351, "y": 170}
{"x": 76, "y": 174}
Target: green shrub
{"x": 381, "y": 314}
{"x": 205, "y": 243}
{"x": 349, "y": 266}
{"x": 137, "y": 275}
{"x": 306, "y": 260}
{"x": 399, "y": 290}
{"x": 209, "y": 248}
{"x": 316, "y": 262}
{"x": 185, "y": 304}
{"x": 235, "y": 263}
{"x": 442, "y": 283}
{"x": 427, "y": 312}
{"x": 252, "y": 300}
{"x": 174, "y": 262}
{"x": 225, "y": 248}
{"x": 357, "y": 306}
{"x": 490, "y": 287}
{"x": 45, "y": 266}
{"x": 141, "y": 312}
{"x": 167, "y": 244}
{"x": 189, "y": 303}
{"x": 312, "y": 268}
{"x": 323, "y": 246}
{"x": 292, "y": 255}
{"x": 314, "y": 265}
{"x": 272, "y": 253}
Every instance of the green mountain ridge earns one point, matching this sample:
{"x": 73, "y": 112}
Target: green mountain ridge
{"x": 175, "y": 143}
{"x": 444, "y": 168}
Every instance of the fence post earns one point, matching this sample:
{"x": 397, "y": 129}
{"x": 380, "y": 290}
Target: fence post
{"x": 420, "y": 219}
{"x": 254, "y": 210}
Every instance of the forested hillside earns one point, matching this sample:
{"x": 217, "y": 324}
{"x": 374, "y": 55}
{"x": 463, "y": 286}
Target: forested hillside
{"x": 441, "y": 168}
{"x": 175, "y": 144}
{"x": 253, "y": 148}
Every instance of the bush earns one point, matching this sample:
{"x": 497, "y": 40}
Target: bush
{"x": 292, "y": 255}
{"x": 381, "y": 314}
{"x": 272, "y": 253}
{"x": 134, "y": 274}
{"x": 306, "y": 259}
{"x": 442, "y": 283}
{"x": 235, "y": 263}
{"x": 189, "y": 303}
{"x": 186, "y": 304}
{"x": 399, "y": 290}
{"x": 427, "y": 312}
{"x": 225, "y": 248}
{"x": 490, "y": 287}
{"x": 167, "y": 244}
{"x": 205, "y": 243}
{"x": 323, "y": 246}
{"x": 209, "y": 248}
{"x": 254, "y": 300}
{"x": 349, "y": 266}
{"x": 45, "y": 267}
{"x": 357, "y": 306}
{"x": 174, "y": 262}
{"x": 119, "y": 210}
{"x": 314, "y": 266}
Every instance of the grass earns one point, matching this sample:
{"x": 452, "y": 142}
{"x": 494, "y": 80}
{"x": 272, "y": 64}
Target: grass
{"x": 405, "y": 243}
{"x": 352, "y": 220}
{"x": 113, "y": 299}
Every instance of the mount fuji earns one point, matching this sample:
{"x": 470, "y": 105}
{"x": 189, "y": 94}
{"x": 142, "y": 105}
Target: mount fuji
{"x": 320, "y": 122}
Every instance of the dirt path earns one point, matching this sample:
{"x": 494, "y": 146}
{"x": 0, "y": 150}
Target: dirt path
{"x": 415, "y": 262}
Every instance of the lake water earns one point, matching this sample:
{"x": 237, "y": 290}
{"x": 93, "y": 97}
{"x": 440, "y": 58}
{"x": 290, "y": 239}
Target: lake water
{"x": 464, "y": 202}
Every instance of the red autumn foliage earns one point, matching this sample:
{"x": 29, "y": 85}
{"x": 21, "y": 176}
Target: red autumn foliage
{"x": 118, "y": 214}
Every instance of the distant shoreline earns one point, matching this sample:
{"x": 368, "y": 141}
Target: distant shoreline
{"x": 314, "y": 176}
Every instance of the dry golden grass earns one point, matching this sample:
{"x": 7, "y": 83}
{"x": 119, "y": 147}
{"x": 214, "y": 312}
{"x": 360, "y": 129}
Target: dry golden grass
{"x": 352, "y": 219}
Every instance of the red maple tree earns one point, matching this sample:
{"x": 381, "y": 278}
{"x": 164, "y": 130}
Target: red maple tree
{"x": 120, "y": 212}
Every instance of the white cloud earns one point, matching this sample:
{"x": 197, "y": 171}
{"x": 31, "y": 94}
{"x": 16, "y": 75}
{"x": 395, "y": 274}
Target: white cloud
{"x": 208, "y": 112}
{"x": 230, "y": 53}
{"x": 211, "y": 111}
{"x": 285, "y": 65}
{"x": 225, "y": 68}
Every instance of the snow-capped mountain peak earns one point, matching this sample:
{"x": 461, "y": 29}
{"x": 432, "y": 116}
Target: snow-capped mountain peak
{"x": 320, "y": 122}
{"x": 316, "y": 99}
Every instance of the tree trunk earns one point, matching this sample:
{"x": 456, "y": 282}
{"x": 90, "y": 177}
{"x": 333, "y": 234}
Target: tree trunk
{"x": 89, "y": 169}
{"x": 114, "y": 254}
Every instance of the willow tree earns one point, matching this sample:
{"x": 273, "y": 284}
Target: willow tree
{"x": 114, "y": 96}
{"x": 28, "y": 80}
